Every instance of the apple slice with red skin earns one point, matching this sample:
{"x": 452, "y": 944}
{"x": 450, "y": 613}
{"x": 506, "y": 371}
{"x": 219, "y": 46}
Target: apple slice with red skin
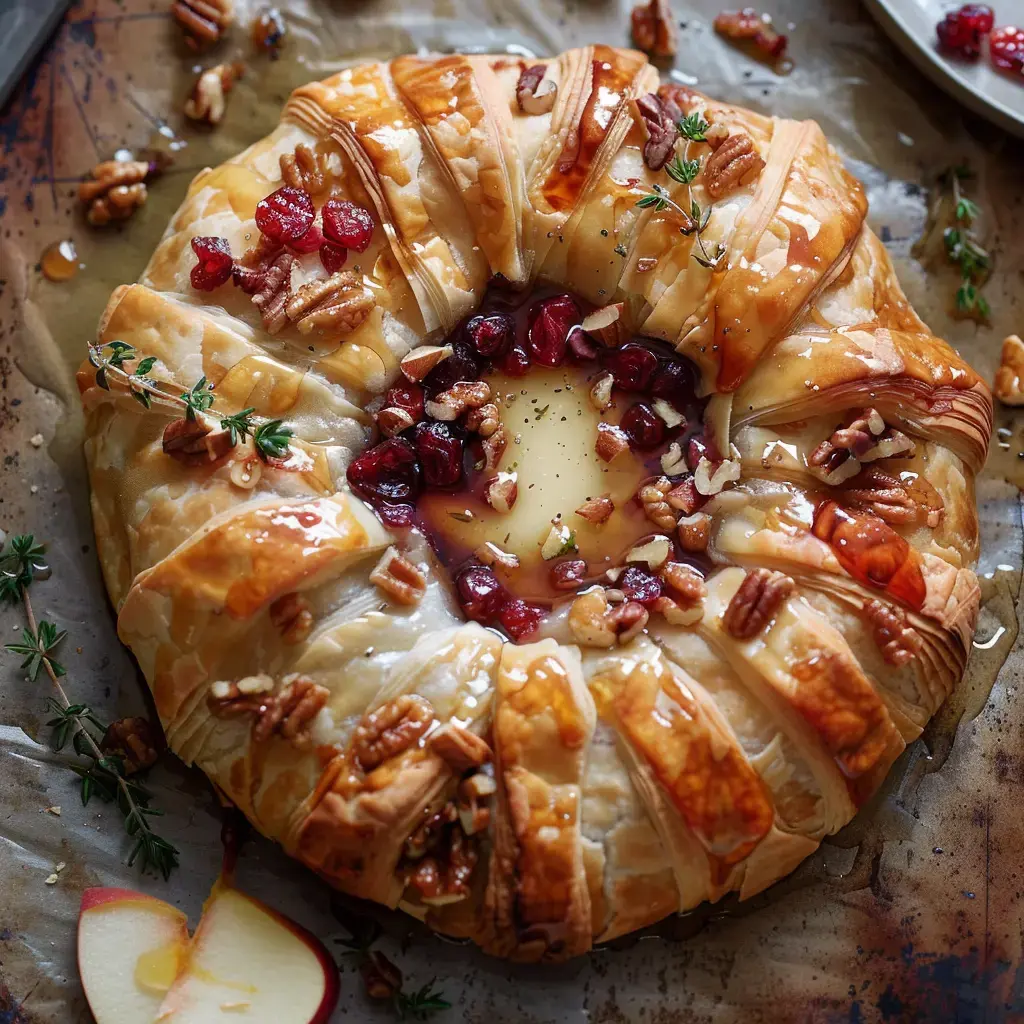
{"x": 130, "y": 949}
{"x": 247, "y": 961}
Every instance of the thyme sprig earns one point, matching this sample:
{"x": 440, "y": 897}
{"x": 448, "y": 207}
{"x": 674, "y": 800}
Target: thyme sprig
{"x": 963, "y": 250}
{"x": 21, "y": 563}
{"x": 271, "y": 438}
{"x": 684, "y": 170}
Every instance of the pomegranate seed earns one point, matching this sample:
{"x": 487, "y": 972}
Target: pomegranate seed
{"x": 406, "y": 396}
{"x": 249, "y": 279}
{"x": 643, "y": 426}
{"x": 215, "y": 263}
{"x": 550, "y": 323}
{"x": 568, "y": 575}
{"x": 674, "y": 382}
{"x": 285, "y": 215}
{"x": 640, "y": 585}
{"x": 309, "y": 242}
{"x": 347, "y": 224}
{"x": 491, "y": 335}
{"x": 519, "y": 619}
{"x": 440, "y": 447}
{"x": 460, "y": 365}
{"x": 481, "y": 596}
{"x": 1006, "y": 45}
{"x": 387, "y": 474}
{"x": 333, "y": 256}
{"x": 632, "y": 367}
{"x": 517, "y": 360}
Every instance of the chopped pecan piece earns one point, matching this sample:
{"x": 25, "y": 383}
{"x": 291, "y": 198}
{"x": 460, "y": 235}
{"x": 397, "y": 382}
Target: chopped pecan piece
{"x": 594, "y": 622}
{"x": 268, "y": 32}
{"x": 391, "y": 729}
{"x": 596, "y": 510}
{"x": 473, "y": 792}
{"x": 654, "y": 30}
{"x": 608, "y": 325}
{"x": 381, "y": 978}
{"x": 399, "y": 578}
{"x": 449, "y": 405}
{"x": 459, "y": 748}
{"x": 290, "y": 711}
{"x": 340, "y": 301}
{"x": 531, "y": 96}
{"x": 445, "y": 877}
{"x": 601, "y": 392}
{"x": 204, "y": 21}
{"x": 420, "y": 361}
{"x": 710, "y": 478}
{"x": 694, "y": 532}
{"x": 1009, "y": 380}
{"x": 494, "y": 448}
{"x": 683, "y": 602}
{"x": 673, "y": 462}
{"x": 274, "y": 291}
{"x": 208, "y": 99}
{"x": 758, "y": 598}
{"x": 733, "y": 160}
{"x": 662, "y": 132}
{"x": 895, "y": 638}
{"x": 306, "y": 168}
{"x": 501, "y": 491}
{"x": 393, "y": 420}
{"x": 611, "y": 442}
{"x": 194, "y": 442}
{"x": 656, "y": 508}
{"x": 291, "y": 615}
{"x": 864, "y": 438}
{"x": 749, "y": 25}
{"x": 483, "y": 420}
{"x": 256, "y": 258}
{"x": 115, "y": 190}
{"x": 135, "y": 741}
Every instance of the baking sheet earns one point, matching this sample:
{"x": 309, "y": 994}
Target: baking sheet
{"x": 913, "y": 913}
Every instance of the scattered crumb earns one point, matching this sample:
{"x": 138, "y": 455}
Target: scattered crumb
{"x": 239, "y": 1005}
{"x": 55, "y": 811}
{"x": 60, "y": 867}
{"x": 33, "y": 489}
{"x": 37, "y": 440}
{"x": 50, "y": 879}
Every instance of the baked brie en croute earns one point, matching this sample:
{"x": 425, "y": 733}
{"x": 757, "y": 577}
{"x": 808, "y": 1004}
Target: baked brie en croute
{"x": 530, "y": 496}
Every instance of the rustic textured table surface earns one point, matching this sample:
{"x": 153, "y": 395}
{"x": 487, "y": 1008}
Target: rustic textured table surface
{"x": 913, "y": 913}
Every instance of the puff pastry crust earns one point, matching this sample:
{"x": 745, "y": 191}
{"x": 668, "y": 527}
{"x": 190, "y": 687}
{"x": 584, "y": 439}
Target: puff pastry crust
{"x": 627, "y": 783}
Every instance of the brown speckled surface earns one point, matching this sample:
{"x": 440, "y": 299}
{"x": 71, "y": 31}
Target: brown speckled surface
{"x": 913, "y": 913}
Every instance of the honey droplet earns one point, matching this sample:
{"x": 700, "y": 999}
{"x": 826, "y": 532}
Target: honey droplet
{"x": 60, "y": 261}
{"x": 268, "y": 31}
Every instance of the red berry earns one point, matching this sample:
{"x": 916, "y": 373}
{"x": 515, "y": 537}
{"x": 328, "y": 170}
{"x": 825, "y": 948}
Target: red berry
{"x": 582, "y": 346}
{"x": 309, "y": 242}
{"x": 1006, "y": 45}
{"x": 215, "y": 263}
{"x": 406, "y": 396}
{"x": 640, "y": 585}
{"x": 347, "y": 224}
{"x": 481, "y": 596}
{"x": 674, "y": 382}
{"x": 977, "y": 18}
{"x": 333, "y": 256}
{"x": 632, "y": 366}
{"x": 491, "y": 335}
{"x": 396, "y": 516}
{"x": 549, "y": 326}
{"x": 460, "y": 365}
{"x": 285, "y": 215}
{"x": 519, "y": 619}
{"x": 643, "y": 426}
{"x": 388, "y": 474}
{"x": 517, "y": 360}
{"x": 440, "y": 447}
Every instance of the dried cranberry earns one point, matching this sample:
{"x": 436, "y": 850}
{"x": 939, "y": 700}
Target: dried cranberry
{"x": 440, "y": 448}
{"x": 631, "y": 366}
{"x": 249, "y": 279}
{"x": 285, "y": 215}
{"x": 519, "y": 619}
{"x": 215, "y": 263}
{"x": 517, "y": 360}
{"x": 347, "y": 224}
{"x": 309, "y": 242}
{"x": 396, "y": 516}
{"x": 640, "y": 585}
{"x": 568, "y": 575}
{"x": 490, "y": 335}
{"x": 582, "y": 346}
{"x": 333, "y": 256}
{"x": 388, "y": 473}
{"x": 480, "y": 594}
{"x": 1006, "y": 45}
{"x": 549, "y": 325}
{"x": 460, "y": 365}
{"x": 674, "y": 382}
{"x": 702, "y": 447}
{"x": 643, "y": 426}
{"x": 407, "y": 396}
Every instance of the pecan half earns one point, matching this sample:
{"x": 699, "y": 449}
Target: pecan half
{"x": 208, "y": 99}
{"x": 530, "y": 98}
{"x": 399, "y": 578}
{"x": 341, "y": 301}
{"x": 115, "y": 190}
{"x": 306, "y": 168}
{"x": 654, "y": 30}
{"x": 682, "y": 604}
{"x": 459, "y": 748}
{"x": 290, "y": 712}
{"x": 882, "y": 494}
{"x": 204, "y": 21}
{"x": 274, "y": 291}
{"x": 391, "y": 730}
{"x": 291, "y": 615}
{"x": 1008, "y": 384}
{"x": 596, "y": 510}
{"x": 662, "y": 132}
{"x": 755, "y": 603}
{"x": 895, "y": 638}
{"x": 193, "y": 442}
{"x": 652, "y": 499}
{"x": 733, "y": 160}
{"x": 135, "y": 741}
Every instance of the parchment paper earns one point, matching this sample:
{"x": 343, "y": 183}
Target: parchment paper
{"x": 913, "y": 913}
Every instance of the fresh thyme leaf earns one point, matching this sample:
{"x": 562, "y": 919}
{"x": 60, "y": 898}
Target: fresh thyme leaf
{"x": 682, "y": 170}
{"x": 422, "y": 1004}
{"x": 142, "y": 397}
{"x": 145, "y": 365}
{"x": 651, "y": 200}
{"x": 101, "y": 378}
{"x": 271, "y": 439}
{"x": 693, "y": 127}
{"x": 120, "y": 353}
{"x": 198, "y": 399}
{"x": 621, "y": 250}
{"x": 963, "y": 249}
{"x": 238, "y": 425}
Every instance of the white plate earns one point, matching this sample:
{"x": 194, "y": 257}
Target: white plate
{"x": 978, "y": 85}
